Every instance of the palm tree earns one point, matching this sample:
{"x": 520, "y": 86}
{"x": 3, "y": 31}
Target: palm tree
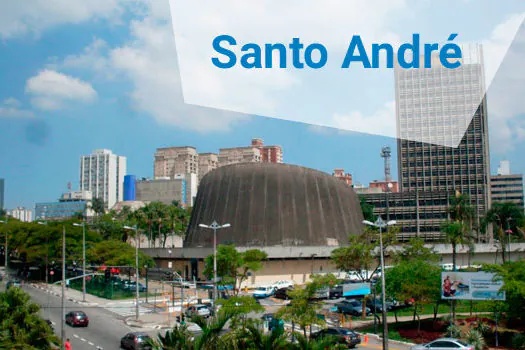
{"x": 175, "y": 339}
{"x": 303, "y": 343}
{"x": 97, "y": 205}
{"x": 456, "y": 233}
{"x": 508, "y": 217}
{"x": 210, "y": 338}
{"x": 259, "y": 341}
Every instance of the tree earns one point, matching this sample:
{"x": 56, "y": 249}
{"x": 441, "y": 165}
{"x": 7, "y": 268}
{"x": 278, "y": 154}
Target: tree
{"x": 506, "y": 216}
{"x": 116, "y": 253}
{"x": 21, "y": 327}
{"x": 239, "y": 307}
{"x": 255, "y": 339}
{"x": 367, "y": 209}
{"x": 416, "y": 279}
{"x": 98, "y": 206}
{"x": 416, "y": 250}
{"x": 456, "y": 233}
{"x": 232, "y": 266}
{"x": 210, "y": 337}
{"x": 301, "y": 311}
{"x": 175, "y": 339}
{"x": 303, "y": 343}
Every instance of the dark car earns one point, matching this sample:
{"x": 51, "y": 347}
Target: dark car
{"x": 351, "y": 307}
{"x": 50, "y": 324}
{"x": 342, "y": 335}
{"x": 13, "y": 283}
{"x": 135, "y": 341}
{"x": 77, "y": 318}
{"x": 282, "y": 293}
{"x": 336, "y": 292}
{"x": 377, "y": 306}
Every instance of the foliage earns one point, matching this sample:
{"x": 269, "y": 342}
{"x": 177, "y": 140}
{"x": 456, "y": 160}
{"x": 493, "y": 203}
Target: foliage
{"x": 417, "y": 279}
{"x": 303, "y": 343}
{"x": 239, "y": 307}
{"x": 98, "y": 206}
{"x": 513, "y": 276}
{"x": 518, "y": 341}
{"x": 116, "y": 253}
{"x": 233, "y": 266}
{"x": 416, "y": 250}
{"x": 456, "y": 233}
{"x": 21, "y": 327}
{"x": 174, "y": 339}
{"x": 367, "y": 209}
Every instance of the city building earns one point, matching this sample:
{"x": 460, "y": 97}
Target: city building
{"x": 340, "y": 174}
{"x": 507, "y": 188}
{"x": 360, "y": 189}
{"x": 129, "y": 187}
{"x": 22, "y": 214}
{"x": 102, "y": 173}
{"x": 504, "y": 167}
{"x": 431, "y": 104}
{"x": 269, "y": 154}
{"x": 417, "y": 214}
{"x": 235, "y": 155}
{"x": 69, "y": 205}
{"x": 163, "y": 190}
{"x": 2, "y": 189}
{"x": 385, "y": 186}
{"x": 207, "y": 163}
{"x": 175, "y": 160}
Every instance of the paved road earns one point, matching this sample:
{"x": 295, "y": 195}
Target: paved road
{"x": 105, "y": 328}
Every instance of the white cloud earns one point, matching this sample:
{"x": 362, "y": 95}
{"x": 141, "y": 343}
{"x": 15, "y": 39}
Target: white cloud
{"x": 51, "y": 90}
{"x": 33, "y": 16}
{"x": 381, "y": 122}
{"x": 10, "y": 108}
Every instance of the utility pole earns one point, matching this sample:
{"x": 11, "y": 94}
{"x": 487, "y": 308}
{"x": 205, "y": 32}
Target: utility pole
{"x": 63, "y": 328}
{"x": 137, "y": 243}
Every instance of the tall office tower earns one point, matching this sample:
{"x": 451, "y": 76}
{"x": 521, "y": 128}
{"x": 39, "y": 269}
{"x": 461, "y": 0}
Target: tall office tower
{"x": 102, "y": 173}
{"x": 1, "y": 194}
{"x": 433, "y": 108}
{"x": 175, "y": 160}
{"x": 207, "y": 162}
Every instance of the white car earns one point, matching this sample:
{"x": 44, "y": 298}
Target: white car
{"x": 264, "y": 292}
{"x": 444, "y": 344}
{"x": 282, "y": 284}
{"x": 199, "y": 309}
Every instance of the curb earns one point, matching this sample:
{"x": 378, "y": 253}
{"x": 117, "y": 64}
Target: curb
{"x": 36, "y": 286}
{"x": 135, "y": 324}
{"x": 390, "y": 341}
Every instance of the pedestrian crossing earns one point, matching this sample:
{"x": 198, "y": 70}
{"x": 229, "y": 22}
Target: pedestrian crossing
{"x": 126, "y": 309}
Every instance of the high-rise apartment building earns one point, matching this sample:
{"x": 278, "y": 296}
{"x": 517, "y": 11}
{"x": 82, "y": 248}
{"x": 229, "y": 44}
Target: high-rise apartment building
{"x": 207, "y": 163}
{"x": 2, "y": 194}
{"x": 234, "y": 155}
{"x": 269, "y": 154}
{"x": 102, "y": 173}
{"x": 176, "y": 160}
{"x": 431, "y": 105}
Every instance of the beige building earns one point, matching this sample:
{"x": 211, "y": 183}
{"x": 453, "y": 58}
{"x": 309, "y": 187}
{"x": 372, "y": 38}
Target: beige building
{"x": 507, "y": 188}
{"x": 207, "y": 162}
{"x": 176, "y": 160}
{"x": 239, "y": 155}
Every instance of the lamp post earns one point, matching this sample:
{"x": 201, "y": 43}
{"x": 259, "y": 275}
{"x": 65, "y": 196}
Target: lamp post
{"x": 83, "y": 225}
{"x": 134, "y": 228}
{"x": 382, "y": 224}
{"x": 508, "y": 232}
{"x": 214, "y": 226}
{"x": 5, "y": 222}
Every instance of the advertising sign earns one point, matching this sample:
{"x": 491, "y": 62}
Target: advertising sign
{"x": 470, "y": 286}
{"x": 354, "y": 289}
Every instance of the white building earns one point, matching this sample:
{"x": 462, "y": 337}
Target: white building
{"x": 22, "y": 214}
{"x": 504, "y": 167}
{"x": 102, "y": 173}
{"x": 192, "y": 184}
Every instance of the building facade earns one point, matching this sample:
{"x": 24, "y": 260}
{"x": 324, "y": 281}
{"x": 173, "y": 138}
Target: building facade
{"x": 504, "y": 167}
{"x": 102, "y": 173}
{"x": 385, "y": 186}
{"x": 162, "y": 190}
{"x": 129, "y": 188}
{"x": 22, "y": 214}
{"x": 207, "y": 163}
{"x": 69, "y": 205}
{"x": 239, "y": 155}
{"x": 417, "y": 214}
{"x": 431, "y": 104}
{"x": 507, "y": 188}
{"x": 269, "y": 154}
{"x": 341, "y": 175}
{"x": 175, "y": 160}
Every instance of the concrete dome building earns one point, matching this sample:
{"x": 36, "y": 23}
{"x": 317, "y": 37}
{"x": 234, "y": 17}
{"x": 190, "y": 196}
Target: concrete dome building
{"x": 274, "y": 205}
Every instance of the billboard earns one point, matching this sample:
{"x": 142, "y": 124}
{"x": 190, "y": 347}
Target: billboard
{"x": 355, "y": 289}
{"x": 470, "y": 286}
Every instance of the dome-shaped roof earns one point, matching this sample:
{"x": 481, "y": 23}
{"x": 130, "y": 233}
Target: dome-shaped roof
{"x": 271, "y": 204}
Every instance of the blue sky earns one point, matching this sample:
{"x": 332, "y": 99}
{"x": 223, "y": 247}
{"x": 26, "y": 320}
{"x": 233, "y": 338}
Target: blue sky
{"x": 104, "y": 75}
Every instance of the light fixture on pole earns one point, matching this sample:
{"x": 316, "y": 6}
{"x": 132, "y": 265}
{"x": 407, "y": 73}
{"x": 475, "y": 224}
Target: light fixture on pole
{"x": 137, "y": 242}
{"x": 83, "y": 225}
{"x": 214, "y": 226}
{"x": 382, "y": 224}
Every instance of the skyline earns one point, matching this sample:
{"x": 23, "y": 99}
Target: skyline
{"x": 106, "y": 76}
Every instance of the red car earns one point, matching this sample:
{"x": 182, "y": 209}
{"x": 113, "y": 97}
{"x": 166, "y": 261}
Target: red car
{"x": 77, "y": 318}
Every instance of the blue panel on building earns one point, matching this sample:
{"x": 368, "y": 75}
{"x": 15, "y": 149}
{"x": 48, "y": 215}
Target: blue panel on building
{"x": 129, "y": 187}
{"x": 183, "y": 194}
{"x": 58, "y": 210}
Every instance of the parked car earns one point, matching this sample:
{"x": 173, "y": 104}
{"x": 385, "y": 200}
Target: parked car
{"x": 199, "y": 309}
{"x": 131, "y": 285}
{"x": 323, "y": 293}
{"x": 282, "y": 284}
{"x": 377, "y": 306}
{"x": 77, "y": 318}
{"x": 352, "y": 307}
{"x": 264, "y": 292}
{"x": 50, "y": 324}
{"x": 342, "y": 335}
{"x": 135, "y": 341}
{"x": 336, "y": 291}
{"x": 13, "y": 283}
{"x": 157, "y": 273}
{"x": 444, "y": 344}
{"x": 282, "y": 293}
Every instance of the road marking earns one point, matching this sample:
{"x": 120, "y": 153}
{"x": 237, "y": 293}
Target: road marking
{"x": 82, "y": 339}
{"x": 76, "y": 336}
{"x": 90, "y": 343}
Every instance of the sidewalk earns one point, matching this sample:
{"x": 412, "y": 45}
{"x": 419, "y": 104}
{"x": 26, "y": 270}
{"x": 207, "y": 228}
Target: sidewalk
{"x": 71, "y": 294}
{"x": 392, "y": 319}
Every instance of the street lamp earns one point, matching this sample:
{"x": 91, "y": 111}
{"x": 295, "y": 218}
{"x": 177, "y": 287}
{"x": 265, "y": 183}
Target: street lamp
{"x": 508, "y": 232}
{"x": 382, "y": 224}
{"x": 214, "y": 226}
{"x": 134, "y": 228}
{"x": 5, "y": 222}
{"x": 83, "y": 225}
